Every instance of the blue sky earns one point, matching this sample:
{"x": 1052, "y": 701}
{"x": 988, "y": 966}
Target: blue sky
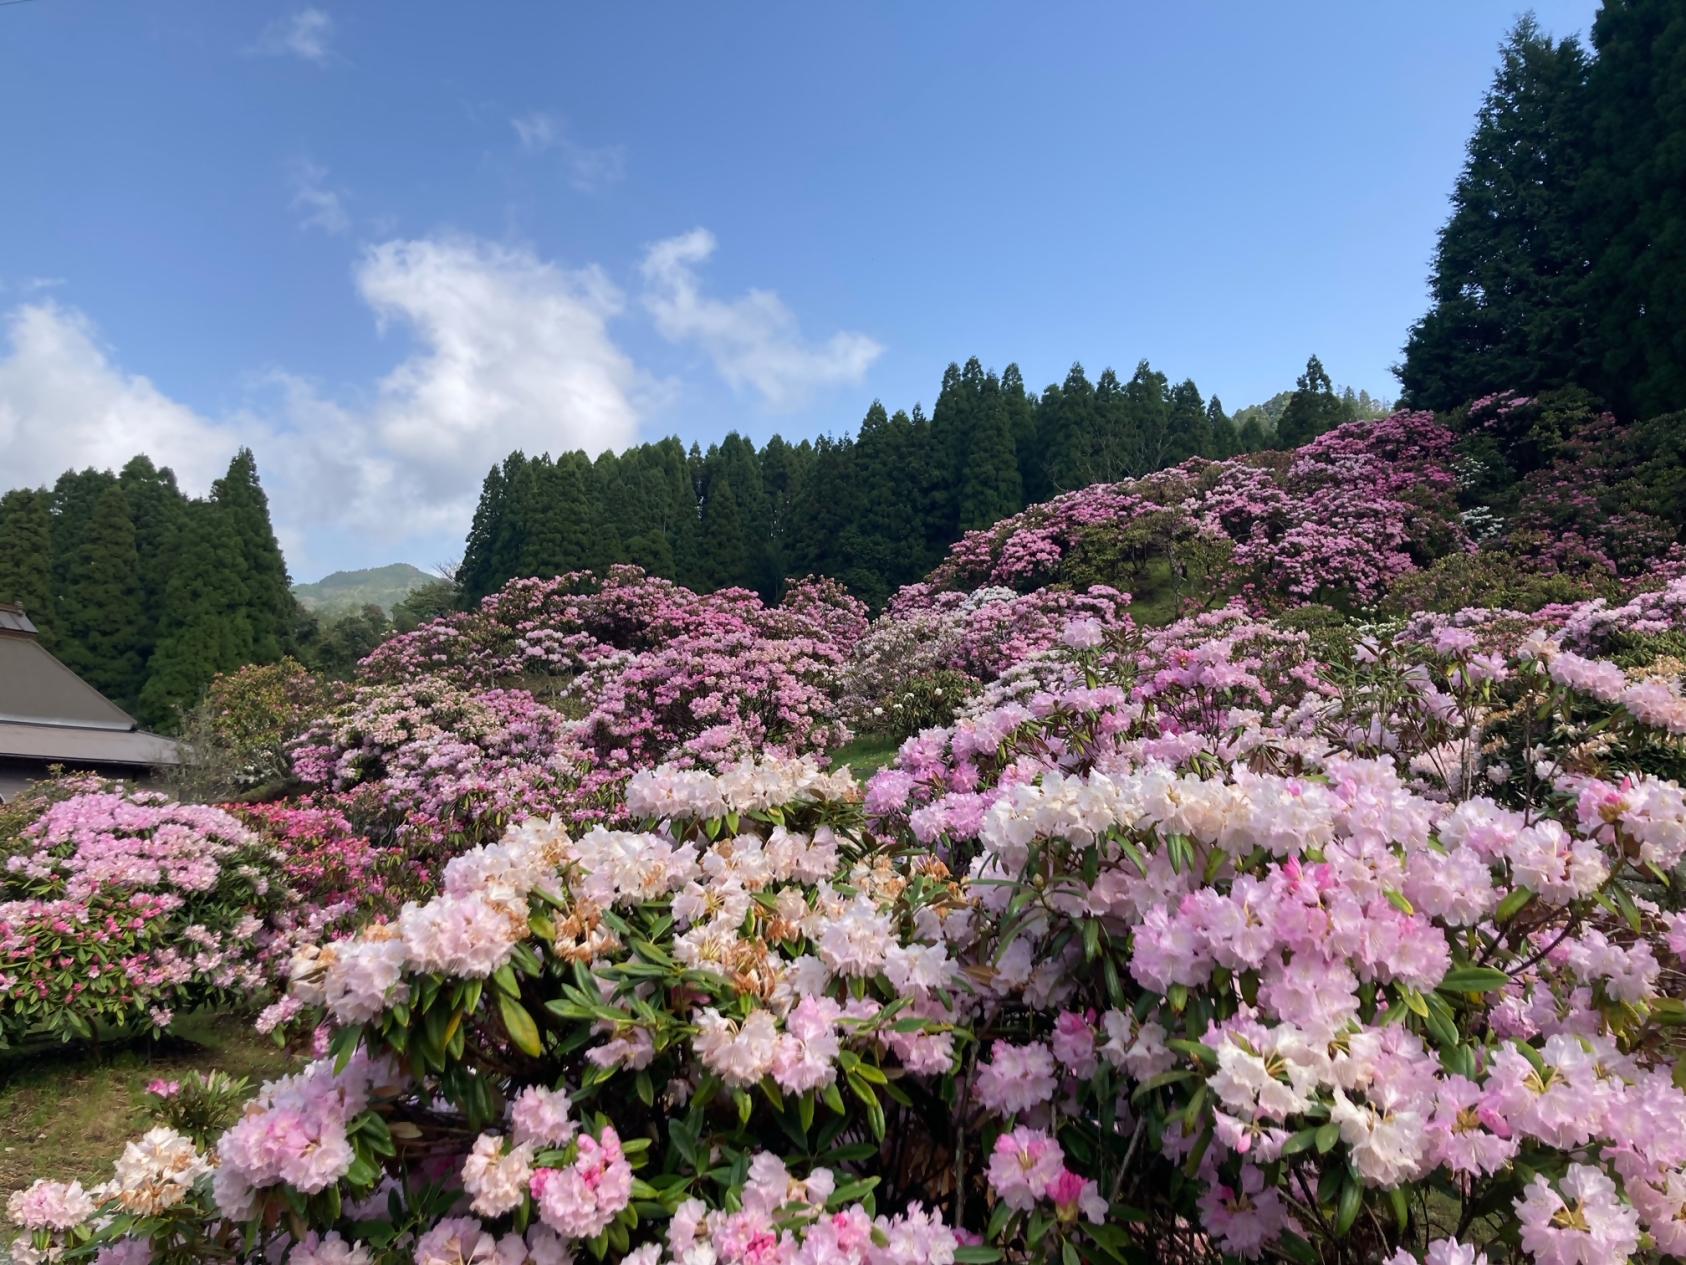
{"x": 384, "y": 243}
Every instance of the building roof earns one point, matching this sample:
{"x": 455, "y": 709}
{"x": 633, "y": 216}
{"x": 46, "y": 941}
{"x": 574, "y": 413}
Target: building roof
{"x": 53, "y": 743}
{"x": 49, "y": 713}
{"x": 12, "y": 619}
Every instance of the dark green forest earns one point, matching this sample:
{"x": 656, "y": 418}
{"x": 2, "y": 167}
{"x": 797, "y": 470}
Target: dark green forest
{"x": 876, "y": 509}
{"x": 1564, "y": 260}
{"x": 146, "y": 592}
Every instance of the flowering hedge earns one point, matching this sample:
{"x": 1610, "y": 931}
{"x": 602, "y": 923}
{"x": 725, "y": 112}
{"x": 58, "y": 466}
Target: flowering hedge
{"x": 1342, "y": 518}
{"x": 1239, "y": 937}
{"x": 118, "y": 908}
{"x": 1211, "y": 953}
{"x": 433, "y": 766}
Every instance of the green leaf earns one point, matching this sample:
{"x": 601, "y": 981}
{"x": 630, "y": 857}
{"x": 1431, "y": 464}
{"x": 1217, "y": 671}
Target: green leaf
{"x": 1512, "y": 905}
{"x": 1352, "y": 1199}
{"x": 1301, "y": 1141}
{"x": 980, "y": 1254}
{"x": 1327, "y": 1136}
{"x": 520, "y": 1026}
{"x": 1401, "y": 1209}
{"x": 1473, "y": 979}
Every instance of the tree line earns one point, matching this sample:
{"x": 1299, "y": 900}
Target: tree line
{"x": 1563, "y": 262}
{"x": 876, "y": 509}
{"x": 145, "y": 592}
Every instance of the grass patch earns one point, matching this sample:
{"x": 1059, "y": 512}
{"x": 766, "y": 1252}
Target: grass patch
{"x": 865, "y": 756}
{"x": 65, "y": 1112}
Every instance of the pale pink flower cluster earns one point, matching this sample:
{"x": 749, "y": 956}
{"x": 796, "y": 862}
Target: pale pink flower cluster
{"x": 781, "y": 1220}
{"x": 540, "y": 1116}
{"x": 294, "y": 1132}
{"x": 1580, "y": 1220}
{"x": 495, "y": 1174}
{"x": 1027, "y": 1166}
{"x": 48, "y": 1205}
{"x": 580, "y": 1200}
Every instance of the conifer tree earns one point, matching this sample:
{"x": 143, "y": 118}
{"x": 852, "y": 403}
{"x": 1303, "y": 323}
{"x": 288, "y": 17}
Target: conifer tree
{"x": 1510, "y": 265}
{"x": 270, "y": 607}
{"x": 681, "y": 512}
{"x": 990, "y": 489}
{"x": 1147, "y": 405}
{"x": 1021, "y": 420}
{"x": 1188, "y": 430}
{"x": 474, "y": 576}
{"x": 1634, "y": 201}
{"x": 26, "y": 558}
{"x": 156, "y": 506}
{"x": 100, "y": 612}
{"x": 951, "y": 422}
{"x": 1112, "y": 445}
{"x": 74, "y": 498}
{"x": 205, "y": 626}
{"x": 1312, "y": 409}
{"x": 1221, "y": 431}
{"x": 725, "y": 552}
{"x": 1069, "y": 427}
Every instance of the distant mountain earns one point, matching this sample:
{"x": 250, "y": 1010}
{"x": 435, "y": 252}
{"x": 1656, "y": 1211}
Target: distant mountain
{"x": 384, "y": 587}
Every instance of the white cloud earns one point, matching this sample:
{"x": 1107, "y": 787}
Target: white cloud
{"x": 753, "y": 340}
{"x": 510, "y": 351}
{"x": 516, "y": 353}
{"x": 304, "y": 34}
{"x": 590, "y": 168}
{"x": 499, "y": 349}
{"x": 64, "y": 404}
{"x": 318, "y": 203}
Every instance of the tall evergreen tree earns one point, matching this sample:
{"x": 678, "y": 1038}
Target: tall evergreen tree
{"x": 1511, "y": 263}
{"x": 1221, "y": 431}
{"x": 1068, "y": 433}
{"x": 990, "y": 489}
{"x": 1112, "y": 444}
{"x": 1021, "y": 420}
{"x": 1634, "y": 201}
{"x": 156, "y": 506}
{"x": 205, "y": 626}
{"x": 725, "y": 549}
{"x": 1312, "y": 409}
{"x": 475, "y": 575}
{"x": 1147, "y": 404}
{"x": 1187, "y": 428}
{"x": 74, "y": 498}
{"x": 271, "y": 609}
{"x": 100, "y": 610}
{"x": 26, "y": 558}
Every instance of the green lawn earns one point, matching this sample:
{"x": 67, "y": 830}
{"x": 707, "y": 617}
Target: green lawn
{"x": 865, "y": 756}
{"x": 65, "y": 1113}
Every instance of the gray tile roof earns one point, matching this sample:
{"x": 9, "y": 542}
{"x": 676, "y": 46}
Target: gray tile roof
{"x": 49, "y": 713}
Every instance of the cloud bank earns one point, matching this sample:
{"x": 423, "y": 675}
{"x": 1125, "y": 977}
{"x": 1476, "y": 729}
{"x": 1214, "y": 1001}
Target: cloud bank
{"x": 499, "y": 350}
{"x": 509, "y": 351}
{"x": 753, "y": 340}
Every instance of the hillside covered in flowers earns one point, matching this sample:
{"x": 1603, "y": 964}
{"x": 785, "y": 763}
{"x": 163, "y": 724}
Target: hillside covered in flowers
{"x": 1271, "y": 858}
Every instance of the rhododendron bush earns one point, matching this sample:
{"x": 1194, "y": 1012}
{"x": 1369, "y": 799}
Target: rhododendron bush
{"x": 655, "y": 670}
{"x": 1339, "y": 519}
{"x": 1210, "y": 941}
{"x": 1204, "y": 951}
{"x": 117, "y": 908}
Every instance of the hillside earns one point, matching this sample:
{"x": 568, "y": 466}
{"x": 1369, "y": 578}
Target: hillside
{"x": 384, "y": 587}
